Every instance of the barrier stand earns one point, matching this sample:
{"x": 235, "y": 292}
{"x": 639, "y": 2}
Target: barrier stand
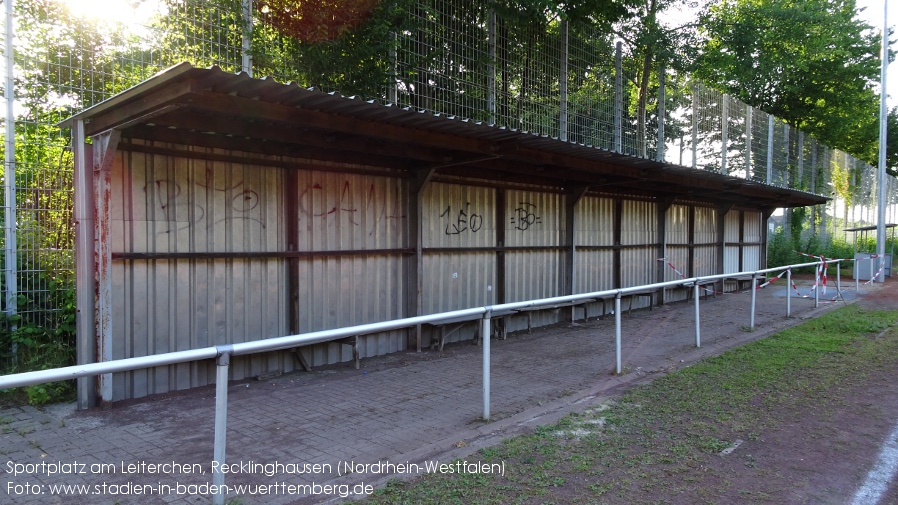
{"x": 698, "y": 330}
{"x": 221, "y": 424}
{"x": 617, "y": 331}
{"x": 485, "y": 338}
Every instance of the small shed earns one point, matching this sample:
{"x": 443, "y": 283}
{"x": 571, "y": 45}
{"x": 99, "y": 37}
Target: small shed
{"x": 215, "y": 208}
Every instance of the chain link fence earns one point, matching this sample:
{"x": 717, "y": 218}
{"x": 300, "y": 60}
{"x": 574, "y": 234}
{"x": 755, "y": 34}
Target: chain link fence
{"x": 527, "y": 71}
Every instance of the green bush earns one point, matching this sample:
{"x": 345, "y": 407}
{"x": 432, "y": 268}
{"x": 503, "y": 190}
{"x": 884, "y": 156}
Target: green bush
{"x": 41, "y": 336}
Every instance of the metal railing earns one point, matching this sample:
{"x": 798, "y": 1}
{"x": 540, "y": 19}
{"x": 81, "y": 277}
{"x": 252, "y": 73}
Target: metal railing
{"x": 223, "y": 353}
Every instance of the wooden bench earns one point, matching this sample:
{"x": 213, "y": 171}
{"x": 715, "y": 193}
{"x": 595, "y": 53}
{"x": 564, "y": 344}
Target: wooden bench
{"x": 350, "y": 341}
{"x": 449, "y": 326}
{"x": 530, "y": 310}
{"x": 741, "y": 281}
{"x": 632, "y": 296}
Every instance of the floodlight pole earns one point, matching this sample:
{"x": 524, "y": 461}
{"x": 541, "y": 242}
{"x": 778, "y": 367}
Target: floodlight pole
{"x": 883, "y": 129}
{"x": 9, "y": 180}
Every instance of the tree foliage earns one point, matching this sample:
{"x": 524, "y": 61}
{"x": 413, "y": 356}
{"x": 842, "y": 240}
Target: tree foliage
{"x": 812, "y": 63}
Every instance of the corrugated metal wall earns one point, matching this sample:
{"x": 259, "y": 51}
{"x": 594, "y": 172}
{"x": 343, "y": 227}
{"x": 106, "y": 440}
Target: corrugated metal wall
{"x": 677, "y": 238}
{"x": 351, "y": 213}
{"x": 354, "y": 252}
{"x": 731, "y": 250}
{"x": 751, "y": 252}
{"x": 705, "y": 262}
{"x": 534, "y": 223}
{"x": 161, "y": 204}
{"x": 594, "y": 223}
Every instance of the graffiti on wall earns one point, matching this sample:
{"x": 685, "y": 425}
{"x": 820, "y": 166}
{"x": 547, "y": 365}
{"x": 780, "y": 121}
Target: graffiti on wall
{"x": 460, "y": 220}
{"x": 525, "y": 216}
{"x": 240, "y": 203}
{"x": 319, "y": 202}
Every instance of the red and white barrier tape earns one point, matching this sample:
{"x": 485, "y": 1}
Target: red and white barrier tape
{"x": 772, "y": 280}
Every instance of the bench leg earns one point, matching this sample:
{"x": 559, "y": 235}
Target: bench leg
{"x": 529, "y": 322}
{"x": 298, "y": 357}
{"x": 355, "y": 352}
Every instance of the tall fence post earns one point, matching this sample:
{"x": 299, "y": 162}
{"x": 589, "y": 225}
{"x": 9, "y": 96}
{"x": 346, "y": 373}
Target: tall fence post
{"x": 749, "y": 112}
{"x": 9, "y": 176}
{"x": 662, "y": 111}
{"x": 617, "y": 337}
{"x": 485, "y": 338}
{"x": 695, "y": 112}
{"x": 491, "y": 67}
{"x": 247, "y": 40}
{"x": 769, "y": 149}
{"x": 724, "y": 132}
{"x": 562, "y": 82}
{"x": 221, "y": 425}
{"x": 618, "y": 97}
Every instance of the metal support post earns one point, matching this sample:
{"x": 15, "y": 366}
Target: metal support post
{"x": 617, "y": 351}
{"x": 618, "y": 97}
{"x": 769, "y": 149}
{"x": 789, "y": 293}
{"x": 698, "y": 329}
{"x": 247, "y": 40}
{"x": 817, "y": 285}
{"x": 662, "y": 97}
{"x": 839, "y": 278}
{"x": 724, "y": 132}
{"x": 562, "y": 81}
{"x": 221, "y": 425}
{"x": 754, "y": 296}
{"x": 9, "y": 173}
{"x": 485, "y": 338}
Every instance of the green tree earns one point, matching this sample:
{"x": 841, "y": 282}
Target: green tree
{"x": 811, "y": 63}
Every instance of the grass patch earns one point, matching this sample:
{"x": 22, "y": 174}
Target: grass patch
{"x": 660, "y": 439}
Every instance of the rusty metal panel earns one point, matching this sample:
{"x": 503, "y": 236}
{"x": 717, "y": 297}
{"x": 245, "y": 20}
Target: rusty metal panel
{"x": 595, "y": 221}
{"x": 456, "y": 215}
{"x": 342, "y": 212}
{"x": 639, "y": 224}
{"x": 534, "y": 219}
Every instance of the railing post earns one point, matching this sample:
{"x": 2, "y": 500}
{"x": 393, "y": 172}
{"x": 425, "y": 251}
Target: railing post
{"x": 839, "y": 278}
{"x": 485, "y": 339}
{"x": 221, "y": 424}
{"x": 754, "y": 291}
{"x": 789, "y": 292}
{"x": 698, "y": 330}
{"x": 817, "y": 285}
{"x": 617, "y": 351}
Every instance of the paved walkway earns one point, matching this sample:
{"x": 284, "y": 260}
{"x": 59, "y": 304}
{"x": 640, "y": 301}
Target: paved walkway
{"x": 407, "y": 408}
